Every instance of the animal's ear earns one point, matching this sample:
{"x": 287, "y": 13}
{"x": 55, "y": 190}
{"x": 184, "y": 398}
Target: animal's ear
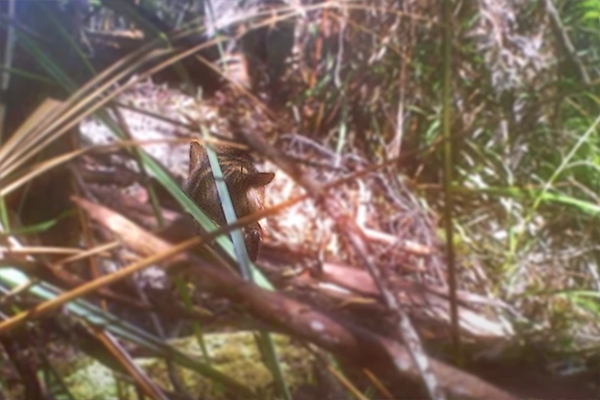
{"x": 197, "y": 155}
{"x": 260, "y": 179}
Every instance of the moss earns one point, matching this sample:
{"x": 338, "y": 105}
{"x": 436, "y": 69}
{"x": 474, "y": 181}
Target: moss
{"x": 235, "y": 354}
{"x": 93, "y": 381}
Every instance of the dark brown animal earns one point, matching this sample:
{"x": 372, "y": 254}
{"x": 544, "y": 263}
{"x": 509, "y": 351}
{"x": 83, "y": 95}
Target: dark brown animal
{"x": 245, "y": 184}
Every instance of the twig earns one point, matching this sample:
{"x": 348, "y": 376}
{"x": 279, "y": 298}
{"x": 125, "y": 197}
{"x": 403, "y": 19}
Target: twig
{"x": 300, "y": 320}
{"x": 565, "y": 41}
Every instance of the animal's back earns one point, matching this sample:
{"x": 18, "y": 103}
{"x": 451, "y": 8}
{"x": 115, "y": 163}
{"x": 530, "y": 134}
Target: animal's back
{"x": 245, "y": 184}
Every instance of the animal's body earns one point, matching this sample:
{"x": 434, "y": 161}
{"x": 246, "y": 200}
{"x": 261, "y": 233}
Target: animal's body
{"x": 245, "y": 184}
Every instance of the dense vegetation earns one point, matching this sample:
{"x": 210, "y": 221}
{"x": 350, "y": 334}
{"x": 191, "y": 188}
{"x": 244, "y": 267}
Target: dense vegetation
{"x": 420, "y": 148}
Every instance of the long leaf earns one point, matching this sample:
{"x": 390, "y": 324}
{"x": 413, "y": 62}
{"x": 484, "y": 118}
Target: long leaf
{"x": 11, "y": 277}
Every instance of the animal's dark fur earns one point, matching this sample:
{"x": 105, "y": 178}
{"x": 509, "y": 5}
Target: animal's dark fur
{"x": 245, "y": 184}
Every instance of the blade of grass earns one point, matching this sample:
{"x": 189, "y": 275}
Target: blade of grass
{"x": 247, "y": 270}
{"x": 12, "y": 277}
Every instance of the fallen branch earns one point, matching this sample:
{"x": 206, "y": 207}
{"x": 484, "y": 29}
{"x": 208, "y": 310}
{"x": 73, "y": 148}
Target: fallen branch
{"x": 343, "y": 338}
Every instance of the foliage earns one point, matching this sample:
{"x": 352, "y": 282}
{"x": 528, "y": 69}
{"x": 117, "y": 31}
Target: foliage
{"x": 366, "y": 84}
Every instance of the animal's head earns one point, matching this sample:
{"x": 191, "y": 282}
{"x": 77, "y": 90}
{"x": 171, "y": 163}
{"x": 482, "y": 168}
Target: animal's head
{"x": 245, "y": 184}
